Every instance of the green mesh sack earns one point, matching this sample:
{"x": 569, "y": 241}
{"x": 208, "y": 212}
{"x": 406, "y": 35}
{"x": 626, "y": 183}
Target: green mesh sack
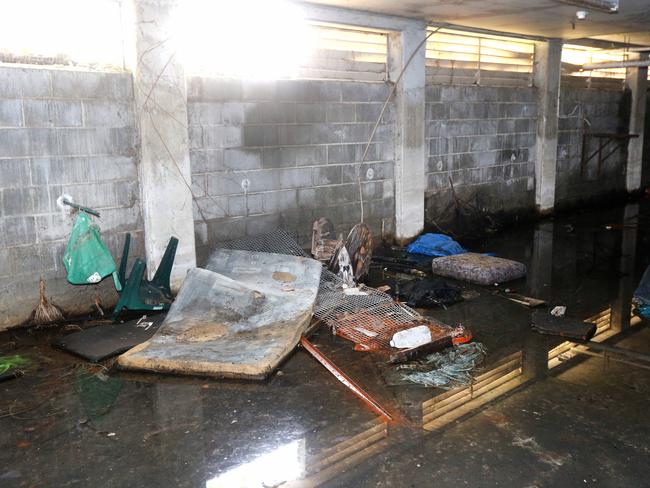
{"x": 86, "y": 258}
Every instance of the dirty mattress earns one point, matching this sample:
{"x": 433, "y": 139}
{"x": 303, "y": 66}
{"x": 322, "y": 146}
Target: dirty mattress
{"x": 478, "y": 268}
{"x": 237, "y": 318}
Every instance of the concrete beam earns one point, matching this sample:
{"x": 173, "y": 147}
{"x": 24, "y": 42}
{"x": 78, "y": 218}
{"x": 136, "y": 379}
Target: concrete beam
{"x": 161, "y": 113}
{"x": 410, "y": 151}
{"x": 359, "y": 18}
{"x": 636, "y": 83}
{"x": 548, "y": 62}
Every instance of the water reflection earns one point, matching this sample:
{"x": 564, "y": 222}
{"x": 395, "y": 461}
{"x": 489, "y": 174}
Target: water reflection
{"x": 282, "y": 464}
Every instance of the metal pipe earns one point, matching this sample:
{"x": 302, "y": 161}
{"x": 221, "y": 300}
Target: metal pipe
{"x": 345, "y": 379}
{"x": 617, "y": 64}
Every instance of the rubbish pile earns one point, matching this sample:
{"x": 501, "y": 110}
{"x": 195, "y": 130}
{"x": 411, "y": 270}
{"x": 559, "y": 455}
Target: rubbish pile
{"x": 249, "y": 307}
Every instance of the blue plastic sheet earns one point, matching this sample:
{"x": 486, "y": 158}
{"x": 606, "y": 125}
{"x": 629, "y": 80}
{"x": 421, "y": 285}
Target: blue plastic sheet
{"x": 435, "y": 245}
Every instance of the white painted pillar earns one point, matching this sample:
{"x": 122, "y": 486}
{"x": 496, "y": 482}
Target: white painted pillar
{"x": 410, "y": 153}
{"x": 636, "y": 82}
{"x": 547, "y": 70}
{"x": 161, "y": 112}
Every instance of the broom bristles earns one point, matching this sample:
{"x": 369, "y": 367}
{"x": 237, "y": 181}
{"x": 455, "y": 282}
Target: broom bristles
{"x": 46, "y": 312}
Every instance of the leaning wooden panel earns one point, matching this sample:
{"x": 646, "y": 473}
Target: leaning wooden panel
{"x": 239, "y": 318}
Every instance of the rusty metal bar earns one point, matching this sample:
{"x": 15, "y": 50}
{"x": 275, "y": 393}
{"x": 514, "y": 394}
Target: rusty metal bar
{"x": 345, "y": 379}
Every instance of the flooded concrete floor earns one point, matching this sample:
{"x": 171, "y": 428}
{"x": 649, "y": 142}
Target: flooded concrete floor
{"x": 539, "y": 414}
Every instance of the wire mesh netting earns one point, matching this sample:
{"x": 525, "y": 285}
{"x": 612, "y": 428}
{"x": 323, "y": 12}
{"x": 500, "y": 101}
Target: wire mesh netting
{"x": 363, "y": 315}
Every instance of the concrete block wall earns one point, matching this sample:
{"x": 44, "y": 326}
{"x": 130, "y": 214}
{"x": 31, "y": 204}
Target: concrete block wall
{"x": 284, "y": 153}
{"x": 596, "y": 111}
{"x": 62, "y": 132}
{"x": 482, "y": 139}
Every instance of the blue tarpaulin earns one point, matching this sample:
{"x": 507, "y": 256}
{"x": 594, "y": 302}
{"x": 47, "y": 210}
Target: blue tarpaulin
{"x": 435, "y": 245}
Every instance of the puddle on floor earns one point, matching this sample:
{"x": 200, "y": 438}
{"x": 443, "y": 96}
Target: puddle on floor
{"x": 66, "y": 422}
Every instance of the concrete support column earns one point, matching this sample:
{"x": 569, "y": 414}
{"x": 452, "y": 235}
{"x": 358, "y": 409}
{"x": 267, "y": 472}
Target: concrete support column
{"x": 540, "y": 275}
{"x": 410, "y": 154}
{"x": 548, "y": 62}
{"x": 621, "y": 307}
{"x": 161, "y": 109}
{"x": 636, "y": 82}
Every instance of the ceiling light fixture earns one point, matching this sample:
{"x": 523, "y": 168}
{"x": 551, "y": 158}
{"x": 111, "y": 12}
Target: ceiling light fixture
{"x": 606, "y": 6}
{"x": 581, "y": 14}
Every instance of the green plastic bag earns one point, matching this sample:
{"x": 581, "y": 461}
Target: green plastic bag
{"x": 86, "y": 258}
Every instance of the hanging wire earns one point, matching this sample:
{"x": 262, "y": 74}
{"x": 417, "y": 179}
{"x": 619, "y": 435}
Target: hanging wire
{"x": 383, "y": 110}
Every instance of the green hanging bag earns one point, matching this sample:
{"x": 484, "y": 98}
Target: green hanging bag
{"x": 86, "y": 258}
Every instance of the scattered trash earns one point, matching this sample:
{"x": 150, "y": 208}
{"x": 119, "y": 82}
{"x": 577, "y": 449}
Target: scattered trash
{"x": 459, "y": 335}
{"x": 448, "y": 369}
{"x": 360, "y": 244}
{"x": 376, "y": 312}
{"x": 545, "y": 323}
{"x": 45, "y": 312}
{"x": 478, "y": 268}
{"x": 366, "y": 332}
{"x": 354, "y": 291}
{"x": 429, "y": 292}
{"x": 324, "y": 242}
{"x": 140, "y": 293}
{"x": 435, "y": 245}
{"x": 143, "y": 324}
{"x": 413, "y": 353}
{"x": 96, "y": 344}
{"x": 558, "y": 311}
{"x": 344, "y": 267}
{"x": 523, "y": 299}
{"x": 351, "y": 261}
{"x": 409, "y": 338}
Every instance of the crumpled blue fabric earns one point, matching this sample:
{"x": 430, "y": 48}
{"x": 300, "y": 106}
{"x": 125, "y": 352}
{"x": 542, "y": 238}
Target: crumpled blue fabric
{"x": 435, "y": 245}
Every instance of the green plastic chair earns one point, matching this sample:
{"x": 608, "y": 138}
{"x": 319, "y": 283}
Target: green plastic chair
{"x": 139, "y": 293}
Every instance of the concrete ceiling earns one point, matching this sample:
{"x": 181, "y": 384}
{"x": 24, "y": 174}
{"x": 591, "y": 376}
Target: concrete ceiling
{"x": 546, "y": 18}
